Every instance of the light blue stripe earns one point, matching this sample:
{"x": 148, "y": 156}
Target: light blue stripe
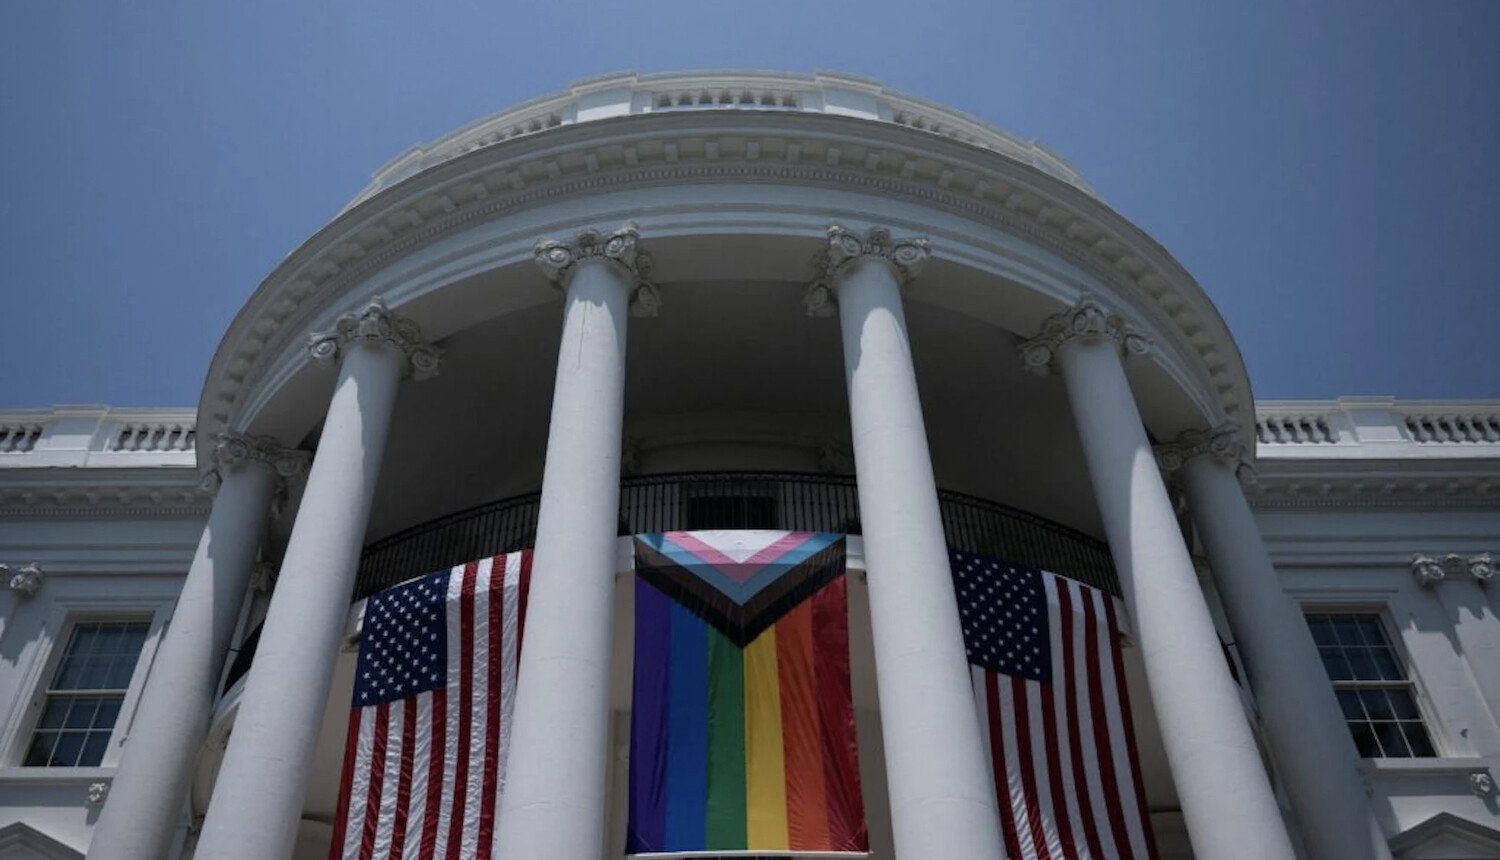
{"x": 687, "y": 732}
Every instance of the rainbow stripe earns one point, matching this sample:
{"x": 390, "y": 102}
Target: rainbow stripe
{"x": 743, "y": 748}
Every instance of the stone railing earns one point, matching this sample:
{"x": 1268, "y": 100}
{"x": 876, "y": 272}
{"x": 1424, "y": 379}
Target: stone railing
{"x": 1378, "y": 427}
{"x": 97, "y": 436}
{"x": 629, "y": 93}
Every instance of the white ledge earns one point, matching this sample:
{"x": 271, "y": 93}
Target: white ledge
{"x": 1377, "y": 428}
{"x": 97, "y": 437}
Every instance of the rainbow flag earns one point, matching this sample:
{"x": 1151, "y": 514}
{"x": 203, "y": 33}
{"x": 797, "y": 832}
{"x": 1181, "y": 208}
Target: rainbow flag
{"x": 742, "y": 733}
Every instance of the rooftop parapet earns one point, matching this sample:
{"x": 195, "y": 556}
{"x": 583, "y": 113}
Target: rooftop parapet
{"x": 628, "y": 93}
{"x": 1377, "y": 428}
{"x": 97, "y": 437}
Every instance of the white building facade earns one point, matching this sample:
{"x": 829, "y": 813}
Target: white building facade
{"x": 746, "y": 300}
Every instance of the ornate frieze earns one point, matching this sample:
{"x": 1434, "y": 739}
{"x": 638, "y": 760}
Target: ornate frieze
{"x": 1089, "y": 319}
{"x": 374, "y": 323}
{"x": 1223, "y": 443}
{"x": 232, "y": 450}
{"x": 905, "y": 256}
{"x": 559, "y": 260}
{"x": 25, "y": 581}
{"x": 1430, "y": 570}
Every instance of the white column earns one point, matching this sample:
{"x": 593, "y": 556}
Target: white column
{"x": 1300, "y": 715}
{"x": 553, "y": 805}
{"x": 1226, "y": 796}
{"x": 1463, "y": 586}
{"x": 942, "y": 796}
{"x": 148, "y": 791}
{"x": 257, "y": 800}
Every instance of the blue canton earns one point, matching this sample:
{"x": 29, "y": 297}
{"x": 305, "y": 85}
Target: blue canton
{"x": 403, "y": 650}
{"x": 1003, "y": 610}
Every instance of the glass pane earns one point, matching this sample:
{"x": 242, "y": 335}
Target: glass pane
{"x": 1369, "y": 628}
{"x": 1349, "y": 702}
{"x": 95, "y": 674}
{"x": 83, "y": 639}
{"x": 1385, "y": 664}
{"x": 1362, "y": 665}
{"x": 120, "y": 670}
{"x": 40, "y": 751}
{"x": 1347, "y": 629}
{"x": 1337, "y": 666}
{"x": 135, "y": 638}
{"x": 52, "y": 715}
{"x": 70, "y": 677}
{"x": 69, "y": 745}
{"x": 93, "y": 749}
{"x": 1403, "y": 705}
{"x": 109, "y": 639}
{"x": 1416, "y": 737}
{"x": 1376, "y": 705}
{"x": 1391, "y": 740}
{"x": 1322, "y": 629}
{"x": 1364, "y": 740}
{"x": 82, "y": 714}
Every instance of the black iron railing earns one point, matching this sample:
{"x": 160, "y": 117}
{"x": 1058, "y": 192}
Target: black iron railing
{"x": 731, "y": 500}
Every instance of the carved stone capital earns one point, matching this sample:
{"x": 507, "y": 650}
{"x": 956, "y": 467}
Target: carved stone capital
{"x": 559, "y": 260}
{"x": 1429, "y": 571}
{"x": 1087, "y": 319}
{"x": 374, "y": 323}
{"x": 905, "y": 256}
{"x": 25, "y": 581}
{"x": 1223, "y": 443}
{"x": 232, "y": 450}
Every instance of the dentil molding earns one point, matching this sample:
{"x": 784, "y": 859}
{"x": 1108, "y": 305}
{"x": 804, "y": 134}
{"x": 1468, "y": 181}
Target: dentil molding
{"x": 1087, "y": 319}
{"x": 559, "y": 260}
{"x": 375, "y": 324}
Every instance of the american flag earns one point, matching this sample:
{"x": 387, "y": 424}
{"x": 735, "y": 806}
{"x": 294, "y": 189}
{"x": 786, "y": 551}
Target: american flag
{"x": 429, "y": 732}
{"x": 1049, "y": 684}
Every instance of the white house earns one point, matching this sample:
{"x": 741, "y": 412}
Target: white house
{"x": 847, "y": 310}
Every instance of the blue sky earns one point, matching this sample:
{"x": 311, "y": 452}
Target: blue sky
{"x": 1328, "y": 171}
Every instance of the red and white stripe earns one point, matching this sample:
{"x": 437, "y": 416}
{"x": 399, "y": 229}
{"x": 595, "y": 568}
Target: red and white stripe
{"x": 1067, "y": 776}
{"x": 422, "y": 775}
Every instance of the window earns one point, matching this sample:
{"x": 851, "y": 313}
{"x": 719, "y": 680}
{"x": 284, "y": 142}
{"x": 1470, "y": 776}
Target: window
{"x": 83, "y": 701}
{"x": 1379, "y": 702}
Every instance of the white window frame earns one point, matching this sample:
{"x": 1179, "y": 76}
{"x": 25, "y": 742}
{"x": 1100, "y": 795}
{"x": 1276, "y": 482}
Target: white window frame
{"x": 1382, "y": 611}
{"x": 20, "y": 725}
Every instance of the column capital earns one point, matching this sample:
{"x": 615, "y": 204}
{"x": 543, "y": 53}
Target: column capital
{"x": 1087, "y": 319}
{"x": 233, "y": 449}
{"x": 905, "y": 257}
{"x": 375, "y": 324}
{"x": 559, "y": 260}
{"x": 1222, "y": 443}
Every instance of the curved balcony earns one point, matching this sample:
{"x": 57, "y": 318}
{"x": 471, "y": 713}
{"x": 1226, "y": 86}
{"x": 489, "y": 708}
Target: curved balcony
{"x": 735, "y": 500}
{"x": 720, "y": 500}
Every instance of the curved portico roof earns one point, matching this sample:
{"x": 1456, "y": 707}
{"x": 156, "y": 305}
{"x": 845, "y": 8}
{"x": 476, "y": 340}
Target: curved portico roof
{"x": 632, "y": 133}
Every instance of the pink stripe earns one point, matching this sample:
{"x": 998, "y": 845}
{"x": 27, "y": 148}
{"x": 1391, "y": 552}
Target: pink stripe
{"x": 743, "y": 569}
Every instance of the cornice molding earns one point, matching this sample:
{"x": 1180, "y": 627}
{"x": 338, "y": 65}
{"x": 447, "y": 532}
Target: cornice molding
{"x": 905, "y": 258}
{"x": 644, "y": 149}
{"x": 1087, "y": 319}
{"x": 186, "y": 501}
{"x": 375, "y": 324}
{"x": 621, "y": 249}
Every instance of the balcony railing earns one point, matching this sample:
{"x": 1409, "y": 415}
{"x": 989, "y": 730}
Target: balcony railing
{"x": 735, "y": 500}
{"x": 721, "y": 500}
